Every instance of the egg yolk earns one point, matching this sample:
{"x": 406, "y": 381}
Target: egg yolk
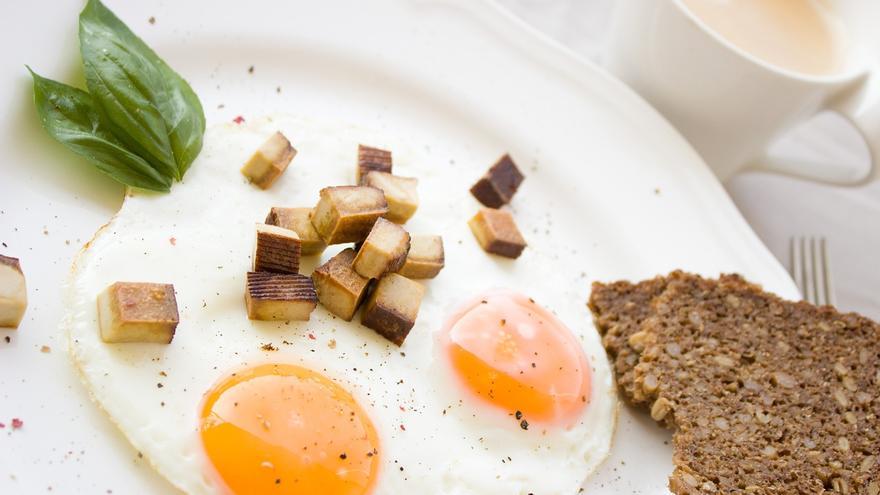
{"x": 516, "y": 356}
{"x": 284, "y": 429}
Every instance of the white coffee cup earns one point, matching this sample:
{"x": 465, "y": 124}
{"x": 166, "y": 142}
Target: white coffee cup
{"x": 729, "y": 104}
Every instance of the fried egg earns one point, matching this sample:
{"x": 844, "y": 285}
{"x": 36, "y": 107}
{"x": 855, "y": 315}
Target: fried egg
{"x": 495, "y": 391}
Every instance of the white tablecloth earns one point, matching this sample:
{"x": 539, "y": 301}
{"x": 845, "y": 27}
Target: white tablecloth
{"x": 777, "y": 207}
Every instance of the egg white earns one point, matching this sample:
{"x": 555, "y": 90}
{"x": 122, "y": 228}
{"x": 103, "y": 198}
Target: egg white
{"x": 200, "y": 237}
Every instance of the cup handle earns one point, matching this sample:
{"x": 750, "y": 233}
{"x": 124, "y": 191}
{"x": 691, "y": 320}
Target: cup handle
{"x": 861, "y": 107}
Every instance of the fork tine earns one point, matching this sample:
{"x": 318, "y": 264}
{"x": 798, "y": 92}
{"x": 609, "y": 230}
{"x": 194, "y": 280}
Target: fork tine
{"x": 819, "y": 266}
{"x": 826, "y": 274}
{"x": 797, "y": 264}
{"x": 809, "y": 270}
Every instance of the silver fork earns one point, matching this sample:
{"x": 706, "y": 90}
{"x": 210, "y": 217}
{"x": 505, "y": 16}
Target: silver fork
{"x": 811, "y": 270}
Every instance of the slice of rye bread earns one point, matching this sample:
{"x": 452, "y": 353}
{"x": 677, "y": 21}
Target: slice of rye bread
{"x": 618, "y": 310}
{"x": 768, "y": 396}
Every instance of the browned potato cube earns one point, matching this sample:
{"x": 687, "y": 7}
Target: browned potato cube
{"x": 496, "y": 232}
{"x": 392, "y": 308}
{"x": 400, "y": 193}
{"x": 384, "y": 250}
{"x": 340, "y": 288}
{"x": 269, "y": 161}
{"x": 276, "y": 250}
{"x": 279, "y": 296}
{"x": 347, "y": 213}
{"x": 298, "y": 220}
{"x": 370, "y": 159}
{"x": 13, "y": 292}
{"x": 425, "y": 258}
{"x": 497, "y": 187}
{"x": 138, "y": 312}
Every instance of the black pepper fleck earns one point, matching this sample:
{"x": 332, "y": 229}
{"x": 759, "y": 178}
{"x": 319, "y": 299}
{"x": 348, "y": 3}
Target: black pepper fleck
{"x": 524, "y": 424}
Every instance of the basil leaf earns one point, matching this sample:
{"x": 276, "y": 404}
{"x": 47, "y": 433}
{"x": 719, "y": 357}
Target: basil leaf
{"x": 72, "y": 118}
{"x": 126, "y": 72}
{"x": 126, "y": 86}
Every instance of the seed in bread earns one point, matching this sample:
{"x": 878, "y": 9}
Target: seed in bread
{"x": 138, "y": 312}
{"x": 269, "y": 161}
{"x": 392, "y": 308}
{"x": 340, "y": 289}
{"x": 383, "y": 251}
{"x": 371, "y": 159}
{"x": 425, "y": 258}
{"x": 401, "y": 193}
{"x": 347, "y": 213}
{"x": 279, "y": 296}
{"x": 13, "y": 292}
{"x": 276, "y": 250}
{"x": 497, "y": 187}
{"x": 298, "y": 220}
{"x": 497, "y": 233}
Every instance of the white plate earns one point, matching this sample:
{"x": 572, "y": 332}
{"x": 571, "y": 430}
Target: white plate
{"x": 461, "y": 78}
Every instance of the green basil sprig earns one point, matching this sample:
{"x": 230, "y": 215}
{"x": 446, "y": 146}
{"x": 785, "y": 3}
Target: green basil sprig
{"x": 140, "y": 122}
{"x": 71, "y": 116}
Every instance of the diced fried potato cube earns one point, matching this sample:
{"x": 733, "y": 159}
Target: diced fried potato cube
{"x": 497, "y": 233}
{"x": 425, "y": 258}
{"x": 276, "y": 250}
{"x": 298, "y": 220}
{"x": 340, "y": 289}
{"x": 392, "y": 308}
{"x": 347, "y": 213}
{"x": 280, "y": 296}
{"x": 383, "y": 251}
{"x": 269, "y": 161}
{"x": 370, "y": 159}
{"x": 13, "y": 292}
{"x": 401, "y": 193}
{"x": 138, "y": 312}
